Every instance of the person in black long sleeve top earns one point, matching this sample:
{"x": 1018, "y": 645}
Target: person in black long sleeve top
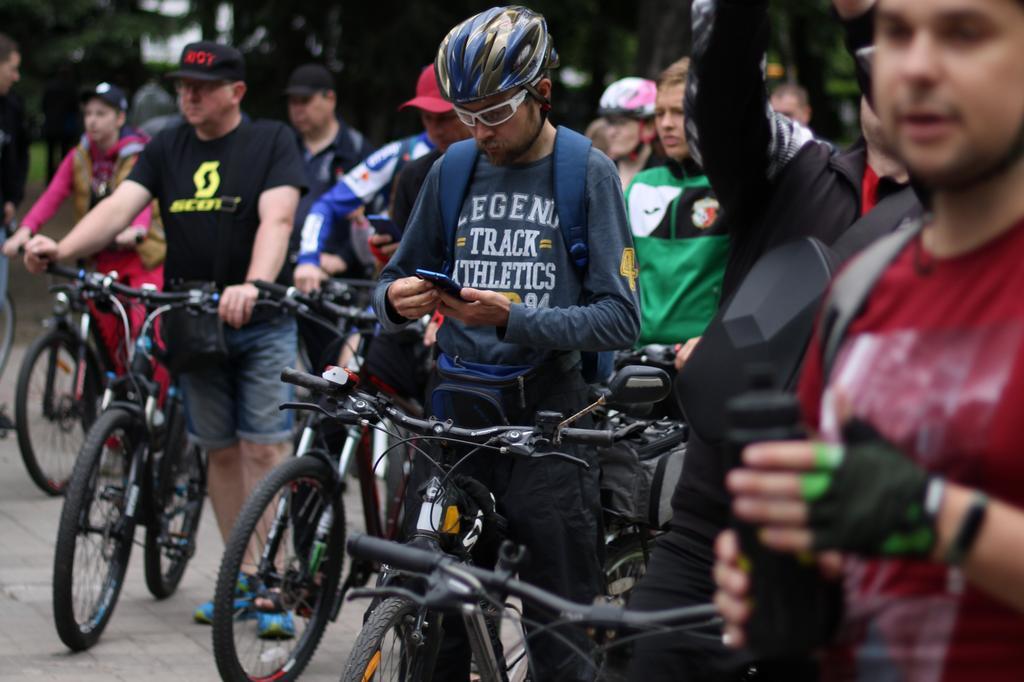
{"x": 13, "y": 137}
{"x": 775, "y": 184}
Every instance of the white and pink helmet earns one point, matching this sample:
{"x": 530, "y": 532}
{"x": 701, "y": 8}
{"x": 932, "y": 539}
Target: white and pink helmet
{"x": 633, "y": 97}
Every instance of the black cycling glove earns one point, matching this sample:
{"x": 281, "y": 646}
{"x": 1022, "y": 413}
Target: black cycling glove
{"x": 869, "y": 498}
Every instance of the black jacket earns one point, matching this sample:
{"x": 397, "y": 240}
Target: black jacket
{"x": 13, "y": 150}
{"x": 774, "y": 181}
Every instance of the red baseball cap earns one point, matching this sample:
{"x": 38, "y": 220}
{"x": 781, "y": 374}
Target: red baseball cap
{"x": 428, "y": 95}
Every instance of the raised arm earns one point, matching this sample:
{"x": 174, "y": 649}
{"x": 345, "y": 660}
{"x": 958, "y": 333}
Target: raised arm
{"x": 857, "y": 17}
{"x": 732, "y": 131}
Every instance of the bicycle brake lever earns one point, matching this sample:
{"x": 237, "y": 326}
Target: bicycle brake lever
{"x": 566, "y": 457}
{"x": 310, "y": 407}
{"x": 630, "y": 429}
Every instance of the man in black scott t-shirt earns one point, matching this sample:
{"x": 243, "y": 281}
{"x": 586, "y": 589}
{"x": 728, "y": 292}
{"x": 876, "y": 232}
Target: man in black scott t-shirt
{"x": 223, "y": 183}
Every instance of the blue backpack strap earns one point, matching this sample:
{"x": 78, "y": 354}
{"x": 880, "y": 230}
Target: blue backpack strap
{"x": 457, "y": 166}
{"x": 572, "y": 152}
{"x": 570, "y": 181}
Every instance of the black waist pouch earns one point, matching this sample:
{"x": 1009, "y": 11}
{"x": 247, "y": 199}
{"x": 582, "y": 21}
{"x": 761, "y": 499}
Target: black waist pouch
{"x": 194, "y": 339}
{"x": 474, "y": 394}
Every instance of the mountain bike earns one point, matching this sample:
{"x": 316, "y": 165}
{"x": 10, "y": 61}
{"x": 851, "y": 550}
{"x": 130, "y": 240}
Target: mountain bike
{"x": 630, "y": 523}
{"x": 288, "y": 540}
{"x": 135, "y": 467}
{"x": 402, "y": 635}
{"x": 394, "y": 635}
{"x": 60, "y": 383}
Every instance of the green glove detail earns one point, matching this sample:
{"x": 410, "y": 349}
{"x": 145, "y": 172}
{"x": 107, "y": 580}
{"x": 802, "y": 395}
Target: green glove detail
{"x": 868, "y": 497}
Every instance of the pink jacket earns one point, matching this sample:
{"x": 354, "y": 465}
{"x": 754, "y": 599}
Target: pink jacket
{"x": 63, "y": 182}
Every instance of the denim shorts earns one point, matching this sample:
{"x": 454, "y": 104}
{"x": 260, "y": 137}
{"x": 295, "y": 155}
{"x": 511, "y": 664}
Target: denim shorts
{"x": 239, "y": 399}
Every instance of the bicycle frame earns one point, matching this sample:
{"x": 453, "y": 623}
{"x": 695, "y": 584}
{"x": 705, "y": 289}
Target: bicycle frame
{"x": 433, "y": 520}
{"x": 353, "y": 449}
{"x": 137, "y": 392}
{"x": 69, "y": 301}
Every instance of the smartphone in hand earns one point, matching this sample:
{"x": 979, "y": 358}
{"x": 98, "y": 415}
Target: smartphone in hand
{"x": 384, "y": 225}
{"x": 442, "y": 282}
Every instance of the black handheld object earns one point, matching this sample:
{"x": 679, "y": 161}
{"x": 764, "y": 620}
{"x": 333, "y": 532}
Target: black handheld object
{"x": 310, "y": 382}
{"x": 394, "y": 554}
{"x": 441, "y": 281}
{"x": 790, "y": 614}
{"x": 384, "y": 225}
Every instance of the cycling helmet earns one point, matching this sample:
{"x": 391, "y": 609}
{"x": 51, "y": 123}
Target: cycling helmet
{"x": 493, "y": 52}
{"x": 633, "y": 97}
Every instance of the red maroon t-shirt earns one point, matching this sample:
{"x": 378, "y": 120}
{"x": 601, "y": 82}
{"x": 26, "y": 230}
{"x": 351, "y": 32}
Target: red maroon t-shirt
{"x": 936, "y": 363}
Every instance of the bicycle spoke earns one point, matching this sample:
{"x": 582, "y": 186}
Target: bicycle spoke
{"x": 99, "y": 535}
{"x": 55, "y": 422}
{"x": 278, "y": 554}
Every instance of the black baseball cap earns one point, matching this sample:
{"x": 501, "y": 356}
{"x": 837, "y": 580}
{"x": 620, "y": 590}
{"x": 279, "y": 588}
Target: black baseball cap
{"x": 210, "y": 61}
{"x": 111, "y": 94}
{"x": 309, "y": 79}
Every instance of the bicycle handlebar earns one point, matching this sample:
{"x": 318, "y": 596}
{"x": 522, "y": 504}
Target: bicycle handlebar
{"x": 515, "y": 440}
{"x": 309, "y": 381}
{"x": 407, "y": 558}
{"x": 394, "y": 554}
{"x": 291, "y": 298}
{"x": 588, "y": 436}
{"x": 101, "y": 282}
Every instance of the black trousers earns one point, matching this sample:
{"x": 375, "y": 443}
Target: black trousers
{"x": 679, "y": 574}
{"x": 553, "y": 508}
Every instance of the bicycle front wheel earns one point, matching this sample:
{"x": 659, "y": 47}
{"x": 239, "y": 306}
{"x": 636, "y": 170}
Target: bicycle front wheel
{"x": 52, "y": 414}
{"x": 94, "y": 538}
{"x": 287, "y": 546}
{"x": 625, "y": 564}
{"x": 387, "y": 647}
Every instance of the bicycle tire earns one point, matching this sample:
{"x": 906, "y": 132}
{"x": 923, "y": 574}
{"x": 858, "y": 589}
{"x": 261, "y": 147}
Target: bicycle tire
{"x": 178, "y": 494}
{"x": 49, "y": 464}
{"x": 367, "y": 660}
{"x": 297, "y": 478}
{"x": 118, "y": 433}
{"x": 625, "y": 564}
{"x": 8, "y": 320}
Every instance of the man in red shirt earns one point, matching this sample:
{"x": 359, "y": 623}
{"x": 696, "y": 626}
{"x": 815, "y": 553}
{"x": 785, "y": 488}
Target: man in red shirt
{"x": 917, "y": 481}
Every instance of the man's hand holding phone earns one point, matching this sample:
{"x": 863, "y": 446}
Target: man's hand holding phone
{"x": 443, "y": 282}
{"x": 412, "y": 297}
{"x": 477, "y": 307}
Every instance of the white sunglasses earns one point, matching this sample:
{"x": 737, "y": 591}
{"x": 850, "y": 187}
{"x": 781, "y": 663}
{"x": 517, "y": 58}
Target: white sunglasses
{"x": 492, "y": 116}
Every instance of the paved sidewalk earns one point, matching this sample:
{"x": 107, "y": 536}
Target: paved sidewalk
{"x": 146, "y": 639}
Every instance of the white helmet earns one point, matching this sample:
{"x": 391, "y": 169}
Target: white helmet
{"x": 633, "y": 97}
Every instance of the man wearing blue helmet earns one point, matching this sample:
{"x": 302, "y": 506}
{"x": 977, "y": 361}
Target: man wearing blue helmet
{"x": 532, "y": 299}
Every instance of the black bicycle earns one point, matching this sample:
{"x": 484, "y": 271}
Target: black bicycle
{"x": 638, "y": 474}
{"x": 288, "y": 540}
{"x": 60, "y": 383}
{"x": 135, "y": 467}
{"x": 456, "y": 511}
{"x": 393, "y": 638}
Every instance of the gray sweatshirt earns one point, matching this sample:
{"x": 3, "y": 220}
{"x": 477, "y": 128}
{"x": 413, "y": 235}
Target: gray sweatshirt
{"x": 508, "y": 240}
